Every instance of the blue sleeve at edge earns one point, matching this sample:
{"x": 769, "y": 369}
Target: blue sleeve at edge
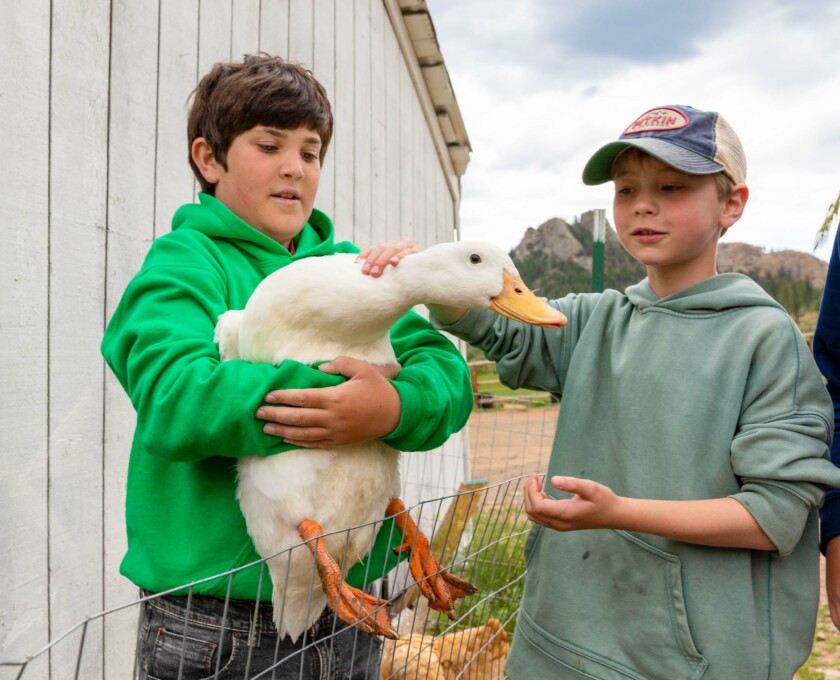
{"x": 827, "y": 356}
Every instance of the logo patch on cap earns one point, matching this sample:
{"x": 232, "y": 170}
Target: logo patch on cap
{"x": 658, "y": 120}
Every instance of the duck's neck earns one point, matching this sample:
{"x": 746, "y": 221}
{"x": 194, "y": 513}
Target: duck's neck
{"x": 417, "y": 277}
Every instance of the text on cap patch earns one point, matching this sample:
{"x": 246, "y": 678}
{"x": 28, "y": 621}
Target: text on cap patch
{"x": 658, "y": 120}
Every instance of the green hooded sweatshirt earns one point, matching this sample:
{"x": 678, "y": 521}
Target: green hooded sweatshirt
{"x": 195, "y": 414}
{"x": 708, "y": 393}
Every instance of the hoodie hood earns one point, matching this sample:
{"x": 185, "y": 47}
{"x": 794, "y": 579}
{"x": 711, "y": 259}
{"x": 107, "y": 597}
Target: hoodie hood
{"x": 712, "y": 296}
{"x": 213, "y": 218}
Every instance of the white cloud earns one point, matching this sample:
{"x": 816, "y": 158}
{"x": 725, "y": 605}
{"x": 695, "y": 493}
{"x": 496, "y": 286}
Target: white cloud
{"x": 771, "y": 68}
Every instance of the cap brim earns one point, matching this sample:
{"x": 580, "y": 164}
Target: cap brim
{"x": 599, "y": 168}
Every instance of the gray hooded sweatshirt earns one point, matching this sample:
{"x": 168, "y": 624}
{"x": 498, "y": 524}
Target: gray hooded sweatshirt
{"x": 708, "y": 393}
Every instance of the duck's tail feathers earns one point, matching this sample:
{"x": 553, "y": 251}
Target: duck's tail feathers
{"x": 294, "y": 615}
{"x": 227, "y": 334}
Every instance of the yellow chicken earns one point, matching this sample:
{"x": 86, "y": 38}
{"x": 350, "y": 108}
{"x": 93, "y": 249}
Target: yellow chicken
{"x": 477, "y": 653}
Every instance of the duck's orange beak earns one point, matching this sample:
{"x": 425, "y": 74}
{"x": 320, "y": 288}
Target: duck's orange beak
{"x": 517, "y": 302}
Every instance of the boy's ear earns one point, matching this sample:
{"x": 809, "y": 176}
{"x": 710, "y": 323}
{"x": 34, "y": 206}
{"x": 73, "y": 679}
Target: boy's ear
{"x": 734, "y": 206}
{"x": 205, "y": 161}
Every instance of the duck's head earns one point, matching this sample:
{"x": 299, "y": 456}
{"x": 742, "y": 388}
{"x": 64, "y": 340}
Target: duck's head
{"x": 473, "y": 274}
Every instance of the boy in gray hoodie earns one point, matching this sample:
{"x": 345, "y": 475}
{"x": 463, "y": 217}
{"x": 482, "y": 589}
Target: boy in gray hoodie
{"x": 677, "y": 534}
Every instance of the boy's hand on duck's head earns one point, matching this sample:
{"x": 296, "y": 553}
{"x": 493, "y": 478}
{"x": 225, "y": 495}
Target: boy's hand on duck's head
{"x": 364, "y": 408}
{"x": 378, "y": 257}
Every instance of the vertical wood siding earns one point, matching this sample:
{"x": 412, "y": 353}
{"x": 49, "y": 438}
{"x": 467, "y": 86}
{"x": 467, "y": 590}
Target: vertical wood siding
{"x": 93, "y": 101}
{"x": 24, "y": 331}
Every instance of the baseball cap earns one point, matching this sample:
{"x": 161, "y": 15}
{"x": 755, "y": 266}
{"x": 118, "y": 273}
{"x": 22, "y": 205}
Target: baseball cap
{"x": 693, "y": 141}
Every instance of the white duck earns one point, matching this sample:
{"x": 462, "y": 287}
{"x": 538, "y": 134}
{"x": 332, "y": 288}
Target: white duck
{"x": 314, "y": 310}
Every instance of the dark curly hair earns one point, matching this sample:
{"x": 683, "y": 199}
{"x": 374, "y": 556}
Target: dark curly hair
{"x": 260, "y": 90}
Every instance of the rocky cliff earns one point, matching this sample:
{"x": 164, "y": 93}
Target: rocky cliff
{"x": 573, "y": 243}
{"x": 755, "y": 261}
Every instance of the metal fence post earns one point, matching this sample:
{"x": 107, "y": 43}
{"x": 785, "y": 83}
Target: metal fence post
{"x": 598, "y": 229}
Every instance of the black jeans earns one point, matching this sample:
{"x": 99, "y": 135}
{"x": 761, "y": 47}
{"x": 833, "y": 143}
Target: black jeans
{"x": 175, "y": 643}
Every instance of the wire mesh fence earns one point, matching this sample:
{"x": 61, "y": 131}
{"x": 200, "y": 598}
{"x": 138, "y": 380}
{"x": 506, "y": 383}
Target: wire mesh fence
{"x": 477, "y": 533}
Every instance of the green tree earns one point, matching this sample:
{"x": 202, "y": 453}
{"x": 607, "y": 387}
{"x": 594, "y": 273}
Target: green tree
{"x": 830, "y": 215}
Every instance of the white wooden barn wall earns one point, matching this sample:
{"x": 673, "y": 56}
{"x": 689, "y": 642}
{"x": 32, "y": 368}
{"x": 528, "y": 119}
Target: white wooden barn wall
{"x": 93, "y": 102}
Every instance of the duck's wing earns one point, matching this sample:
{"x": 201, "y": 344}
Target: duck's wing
{"x": 226, "y": 335}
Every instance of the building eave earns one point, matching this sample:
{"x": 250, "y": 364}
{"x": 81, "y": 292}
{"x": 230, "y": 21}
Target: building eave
{"x": 414, "y": 27}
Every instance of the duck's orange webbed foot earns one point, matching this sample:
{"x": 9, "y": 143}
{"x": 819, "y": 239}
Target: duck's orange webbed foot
{"x": 438, "y": 586}
{"x": 351, "y": 605}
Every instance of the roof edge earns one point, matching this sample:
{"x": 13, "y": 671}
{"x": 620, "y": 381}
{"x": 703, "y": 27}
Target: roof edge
{"x": 416, "y": 34}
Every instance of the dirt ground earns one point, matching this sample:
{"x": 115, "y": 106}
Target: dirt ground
{"x": 510, "y": 441}
{"x": 516, "y": 440}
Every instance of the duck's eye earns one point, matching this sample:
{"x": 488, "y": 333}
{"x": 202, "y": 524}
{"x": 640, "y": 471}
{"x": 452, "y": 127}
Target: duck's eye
{"x": 475, "y": 258}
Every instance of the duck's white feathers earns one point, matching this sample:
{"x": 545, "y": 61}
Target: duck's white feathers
{"x": 316, "y": 309}
{"x": 345, "y": 487}
{"x": 311, "y": 311}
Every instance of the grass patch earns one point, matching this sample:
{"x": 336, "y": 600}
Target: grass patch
{"x": 491, "y": 386}
{"x": 496, "y": 567}
{"x": 807, "y": 674}
{"x": 825, "y": 655}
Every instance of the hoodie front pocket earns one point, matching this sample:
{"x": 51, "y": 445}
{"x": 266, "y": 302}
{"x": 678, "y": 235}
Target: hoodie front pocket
{"x": 609, "y": 605}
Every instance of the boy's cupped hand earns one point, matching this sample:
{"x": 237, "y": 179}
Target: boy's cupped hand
{"x": 592, "y": 505}
{"x": 365, "y": 407}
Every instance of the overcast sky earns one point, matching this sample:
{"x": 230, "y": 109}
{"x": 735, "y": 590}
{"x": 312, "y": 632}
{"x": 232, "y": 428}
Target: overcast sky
{"x": 543, "y": 87}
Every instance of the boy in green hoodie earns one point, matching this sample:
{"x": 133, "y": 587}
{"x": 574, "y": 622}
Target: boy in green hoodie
{"x": 677, "y": 536}
{"x": 258, "y": 132}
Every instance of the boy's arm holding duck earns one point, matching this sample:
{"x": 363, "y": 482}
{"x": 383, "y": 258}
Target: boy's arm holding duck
{"x": 365, "y": 407}
{"x": 368, "y": 406}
